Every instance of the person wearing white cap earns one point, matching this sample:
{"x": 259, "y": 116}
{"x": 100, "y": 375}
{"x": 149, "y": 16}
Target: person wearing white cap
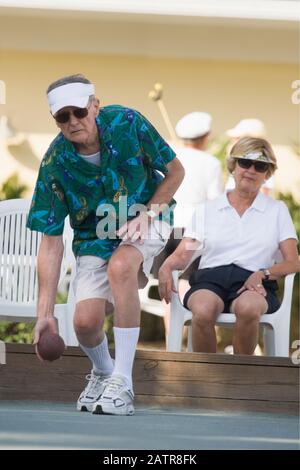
{"x": 247, "y": 128}
{"x": 250, "y": 127}
{"x": 203, "y": 180}
{"x": 203, "y": 173}
{"x": 112, "y": 173}
{"x": 239, "y": 235}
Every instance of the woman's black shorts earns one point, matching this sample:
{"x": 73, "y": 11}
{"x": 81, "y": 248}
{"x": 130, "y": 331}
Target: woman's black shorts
{"x": 225, "y": 281}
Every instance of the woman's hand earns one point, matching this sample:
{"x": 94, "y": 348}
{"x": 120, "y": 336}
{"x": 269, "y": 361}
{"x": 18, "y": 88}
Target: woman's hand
{"x": 254, "y": 283}
{"x": 166, "y": 284}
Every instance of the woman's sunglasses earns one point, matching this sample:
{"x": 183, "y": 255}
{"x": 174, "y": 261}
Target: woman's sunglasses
{"x": 260, "y": 167}
{"x": 64, "y": 116}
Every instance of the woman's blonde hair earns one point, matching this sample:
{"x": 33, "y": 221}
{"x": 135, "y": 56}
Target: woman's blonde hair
{"x": 247, "y": 145}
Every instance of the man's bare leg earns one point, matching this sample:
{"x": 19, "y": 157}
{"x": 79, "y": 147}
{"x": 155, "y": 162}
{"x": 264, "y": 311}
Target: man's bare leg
{"x": 88, "y": 323}
{"x": 123, "y": 269}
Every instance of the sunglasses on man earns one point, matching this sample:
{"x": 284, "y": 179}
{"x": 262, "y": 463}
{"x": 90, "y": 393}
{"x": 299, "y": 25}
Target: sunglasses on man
{"x": 64, "y": 116}
{"x": 260, "y": 167}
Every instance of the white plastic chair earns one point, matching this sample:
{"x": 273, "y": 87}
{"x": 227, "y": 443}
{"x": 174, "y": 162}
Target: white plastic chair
{"x": 148, "y": 304}
{"x": 276, "y": 325}
{"x": 18, "y": 276}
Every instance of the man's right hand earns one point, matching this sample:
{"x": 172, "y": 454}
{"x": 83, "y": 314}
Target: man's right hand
{"x": 166, "y": 284}
{"x": 49, "y": 323}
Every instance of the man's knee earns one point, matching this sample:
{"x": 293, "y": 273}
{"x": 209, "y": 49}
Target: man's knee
{"x": 87, "y": 321}
{"x": 83, "y": 327}
{"x": 122, "y": 266}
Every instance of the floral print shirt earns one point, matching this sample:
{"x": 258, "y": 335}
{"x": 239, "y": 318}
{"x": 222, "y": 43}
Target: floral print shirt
{"x": 133, "y": 163}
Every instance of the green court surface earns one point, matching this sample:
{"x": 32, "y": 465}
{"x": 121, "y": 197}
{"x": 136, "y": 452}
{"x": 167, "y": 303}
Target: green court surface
{"x": 44, "y": 425}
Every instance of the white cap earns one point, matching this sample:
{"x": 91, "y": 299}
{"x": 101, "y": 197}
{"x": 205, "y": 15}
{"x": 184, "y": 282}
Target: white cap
{"x": 248, "y": 128}
{"x": 71, "y": 94}
{"x": 193, "y": 125}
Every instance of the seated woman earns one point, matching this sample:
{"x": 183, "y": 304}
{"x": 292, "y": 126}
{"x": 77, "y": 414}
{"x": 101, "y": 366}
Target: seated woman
{"x": 240, "y": 234}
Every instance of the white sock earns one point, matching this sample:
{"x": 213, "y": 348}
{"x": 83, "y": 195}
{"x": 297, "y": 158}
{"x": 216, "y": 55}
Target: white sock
{"x": 125, "y": 346}
{"x": 100, "y": 357}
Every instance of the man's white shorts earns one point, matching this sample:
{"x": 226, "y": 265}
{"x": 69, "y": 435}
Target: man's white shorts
{"x": 91, "y": 280}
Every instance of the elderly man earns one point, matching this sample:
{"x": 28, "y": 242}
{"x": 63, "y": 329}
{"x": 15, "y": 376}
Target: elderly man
{"x": 105, "y": 170}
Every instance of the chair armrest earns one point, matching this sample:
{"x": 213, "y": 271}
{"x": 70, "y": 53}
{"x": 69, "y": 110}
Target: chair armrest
{"x": 144, "y": 292}
{"x": 175, "y": 299}
{"x": 175, "y": 276}
{"x": 179, "y": 315}
{"x": 287, "y": 291}
{"x": 152, "y": 282}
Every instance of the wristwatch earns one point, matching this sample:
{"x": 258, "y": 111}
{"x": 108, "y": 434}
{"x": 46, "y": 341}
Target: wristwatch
{"x": 266, "y": 273}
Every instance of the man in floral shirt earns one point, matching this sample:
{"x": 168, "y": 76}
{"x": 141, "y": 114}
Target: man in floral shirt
{"x": 112, "y": 173}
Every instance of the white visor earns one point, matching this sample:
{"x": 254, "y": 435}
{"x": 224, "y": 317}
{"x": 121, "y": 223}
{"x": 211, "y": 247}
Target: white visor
{"x": 71, "y": 94}
{"x": 256, "y": 156}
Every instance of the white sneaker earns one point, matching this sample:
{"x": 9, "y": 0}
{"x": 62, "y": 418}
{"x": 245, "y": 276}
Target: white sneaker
{"x": 92, "y": 391}
{"x": 117, "y": 398}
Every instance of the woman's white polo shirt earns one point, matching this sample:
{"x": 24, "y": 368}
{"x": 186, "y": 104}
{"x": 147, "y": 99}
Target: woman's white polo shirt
{"x": 251, "y": 241}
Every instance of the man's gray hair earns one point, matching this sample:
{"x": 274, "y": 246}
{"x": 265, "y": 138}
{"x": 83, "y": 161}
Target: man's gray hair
{"x": 78, "y": 78}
